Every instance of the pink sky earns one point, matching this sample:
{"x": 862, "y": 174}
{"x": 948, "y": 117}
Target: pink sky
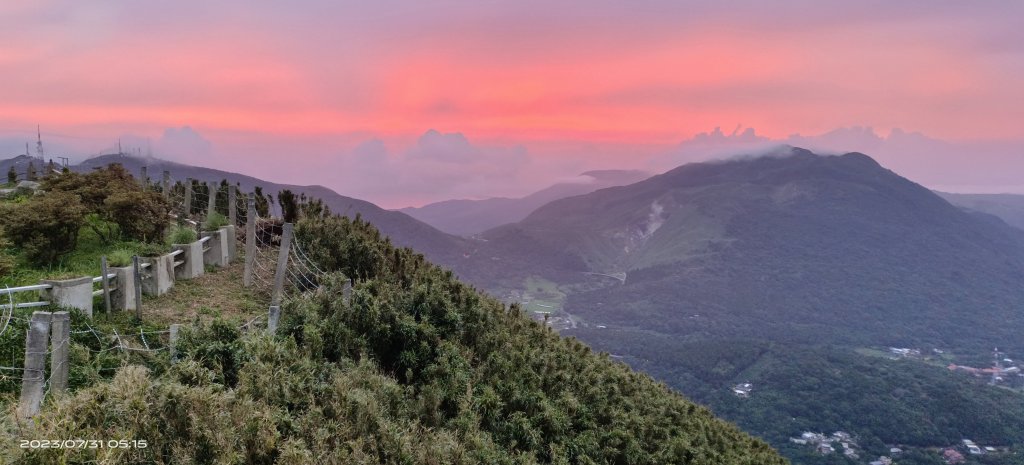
{"x": 529, "y": 90}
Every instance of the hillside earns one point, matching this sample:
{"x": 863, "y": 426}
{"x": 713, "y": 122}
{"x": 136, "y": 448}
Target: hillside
{"x": 401, "y": 228}
{"x": 1008, "y": 207}
{"x": 788, "y": 247}
{"x": 413, "y": 367}
{"x": 467, "y": 217}
{"x": 780, "y": 271}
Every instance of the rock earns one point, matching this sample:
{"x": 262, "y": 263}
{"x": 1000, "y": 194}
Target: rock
{"x": 6, "y": 193}
{"x": 26, "y": 188}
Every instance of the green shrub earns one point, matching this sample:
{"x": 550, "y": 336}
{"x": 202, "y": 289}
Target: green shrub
{"x": 46, "y": 226}
{"x": 113, "y": 195}
{"x": 181, "y": 235}
{"x": 141, "y": 215}
{"x": 120, "y": 258}
{"x": 214, "y": 222}
{"x": 6, "y": 259}
{"x": 152, "y": 250}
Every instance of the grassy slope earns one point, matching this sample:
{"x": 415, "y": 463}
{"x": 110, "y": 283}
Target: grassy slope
{"x": 363, "y": 381}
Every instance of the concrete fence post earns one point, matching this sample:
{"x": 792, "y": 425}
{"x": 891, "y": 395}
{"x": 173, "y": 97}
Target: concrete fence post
{"x": 60, "y": 339}
{"x": 250, "y": 239}
{"x": 137, "y": 277}
{"x": 106, "y": 283}
{"x": 192, "y": 254}
{"x": 74, "y": 293}
{"x": 232, "y": 205}
{"x": 273, "y": 317}
{"x": 231, "y": 243}
{"x": 217, "y": 252}
{"x": 174, "y": 341}
{"x": 188, "y": 197}
{"x": 211, "y": 208}
{"x": 124, "y": 294}
{"x": 282, "y": 265}
{"x": 167, "y": 184}
{"x": 161, "y": 275}
{"x": 35, "y": 365}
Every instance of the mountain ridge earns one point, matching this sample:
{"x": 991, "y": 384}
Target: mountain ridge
{"x": 468, "y": 217}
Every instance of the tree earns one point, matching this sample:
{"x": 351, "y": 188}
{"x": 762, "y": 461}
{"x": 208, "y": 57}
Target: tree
{"x": 140, "y": 215}
{"x": 262, "y": 204}
{"x": 45, "y": 226}
{"x": 12, "y": 175}
{"x": 289, "y": 206}
{"x": 111, "y": 197}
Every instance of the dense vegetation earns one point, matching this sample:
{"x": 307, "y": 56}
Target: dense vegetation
{"x": 798, "y": 388}
{"x": 410, "y": 366}
{"x": 800, "y": 250}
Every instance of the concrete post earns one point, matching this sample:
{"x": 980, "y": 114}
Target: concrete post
{"x": 60, "y": 340}
{"x": 192, "y": 255}
{"x": 35, "y": 365}
{"x": 282, "y": 265}
{"x": 161, "y": 275}
{"x": 174, "y": 341}
{"x": 124, "y": 295}
{"x": 167, "y": 184}
{"x": 73, "y": 293}
{"x": 211, "y": 208}
{"x": 273, "y": 316}
{"x": 137, "y": 278}
{"x": 188, "y": 197}
{"x": 231, "y": 240}
{"x": 346, "y": 292}
{"x": 216, "y": 253}
{"x": 104, "y": 271}
{"x": 232, "y": 205}
{"x": 250, "y": 239}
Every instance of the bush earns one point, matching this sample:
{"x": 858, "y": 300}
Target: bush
{"x": 6, "y": 260}
{"x": 113, "y": 195}
{"x": 45, "y": 227}
{"x": 141, "y": 215}
{"x": 93, "y": 187}
{"x": 152, "y": 250}
{"x": 181, "y": 235}
{"x": 120, "y": 258}
{"x": 214, "y": 222}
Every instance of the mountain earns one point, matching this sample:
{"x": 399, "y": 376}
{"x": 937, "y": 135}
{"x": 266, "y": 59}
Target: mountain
{"x": 788, "y": 246}
{"x": 1008, "y": 207}
{"x": 467, "y": 217}
{"x": 793, "y": 272}
{"x": 20, "y": 164}
{"x": 401, "y": 228}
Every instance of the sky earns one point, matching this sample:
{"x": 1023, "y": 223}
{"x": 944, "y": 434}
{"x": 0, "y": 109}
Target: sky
{"x": 404, "y": 102}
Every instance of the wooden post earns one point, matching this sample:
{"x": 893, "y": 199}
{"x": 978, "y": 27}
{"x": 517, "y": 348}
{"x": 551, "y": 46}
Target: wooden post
{"x": 282, "y": 265}
{"x": 212, "y": 206}
{"x": 137, "y": 274}
{"x": 232, "y": 205}
{"x": 106, "y": 283}
{"x": 167, "y": 184}
{"x": 174, "y": 342}
{"x": 188, "y": 197}
{"x": 60, "y": 340}
{"x": 35, "y": 365}
{"x": 250, "y": 239}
